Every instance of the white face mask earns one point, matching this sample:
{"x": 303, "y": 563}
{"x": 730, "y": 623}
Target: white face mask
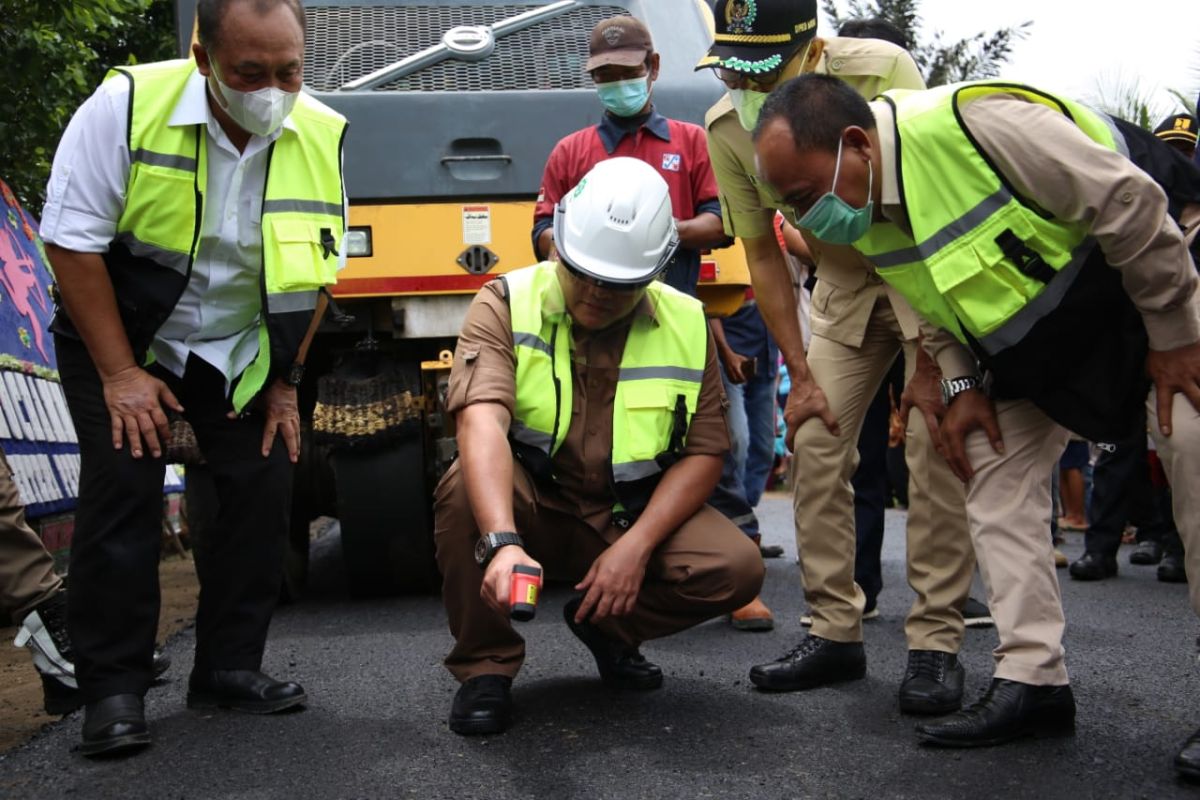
{"x": 261, "y": 112}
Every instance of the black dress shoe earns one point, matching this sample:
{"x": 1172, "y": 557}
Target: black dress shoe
{"x": 243, "y": 690}
{"x": 812, "y": 663}
{"x": 161, "y": 663}
{"x": 1009, "y": 710}
{"x": 1171, "y": 569}
{"x": 771, "y": 550}
{"x": 114, "y": 726}
{"x": 1187, "y": 761}
{"x": 1094, "y": 567}
{"x": 933, "y": 683}
{"x": 482, "y": 705}
{"x": 621, "y": 666}
{"x": 1146, "y": 553}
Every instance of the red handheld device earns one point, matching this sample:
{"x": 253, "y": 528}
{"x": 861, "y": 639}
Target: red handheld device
{"x": 523, "y": 592}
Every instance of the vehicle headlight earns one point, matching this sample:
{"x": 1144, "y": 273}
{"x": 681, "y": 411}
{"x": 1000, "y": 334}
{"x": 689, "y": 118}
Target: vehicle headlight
{"x": 358, "y": 242}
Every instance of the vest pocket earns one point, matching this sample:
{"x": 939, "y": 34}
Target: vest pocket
{"x": 301, "y": 260}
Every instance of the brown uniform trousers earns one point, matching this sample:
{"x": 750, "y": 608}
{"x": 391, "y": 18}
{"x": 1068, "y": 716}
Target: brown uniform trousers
{"x": 706, "y": 568}
{"x": 1008, "y": 502}
{"x": 940, "y": 559}
{"x": 27, "y": 574}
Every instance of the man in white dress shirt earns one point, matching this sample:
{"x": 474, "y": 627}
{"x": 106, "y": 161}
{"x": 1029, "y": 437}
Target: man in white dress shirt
{"x": 195, "y": 210}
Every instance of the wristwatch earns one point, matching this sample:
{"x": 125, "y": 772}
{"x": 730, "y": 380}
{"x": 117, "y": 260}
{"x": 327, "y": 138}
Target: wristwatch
{"x": 953, "y": 387}
{"x": 489, "y": 543}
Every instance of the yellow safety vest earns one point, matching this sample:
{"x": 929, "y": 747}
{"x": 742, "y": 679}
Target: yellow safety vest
{"x": 662, "y": 368}
{"x": 979, "y": 262}
{"x": 150, "y": 259}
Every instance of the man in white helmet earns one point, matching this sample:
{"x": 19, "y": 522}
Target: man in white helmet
{"x": 591, "y": 430}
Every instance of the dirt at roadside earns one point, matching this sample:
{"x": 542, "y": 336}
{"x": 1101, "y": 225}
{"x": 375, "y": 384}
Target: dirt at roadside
{"x": 21, "y": 714}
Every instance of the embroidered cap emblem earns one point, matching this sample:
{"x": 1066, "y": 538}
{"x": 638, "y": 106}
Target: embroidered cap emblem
{"x": 613, "y": 35}
{"x": 740, "y": 16}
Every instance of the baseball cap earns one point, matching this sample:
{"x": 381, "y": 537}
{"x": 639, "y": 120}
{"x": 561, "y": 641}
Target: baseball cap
{"x": 622, "y": 40}
{"x": 1177, "y": 128}
{"x": 758, "y": 35}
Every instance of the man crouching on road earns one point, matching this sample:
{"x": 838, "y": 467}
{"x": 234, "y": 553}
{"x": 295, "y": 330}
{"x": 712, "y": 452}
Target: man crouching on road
{"x": 591, "y": 428}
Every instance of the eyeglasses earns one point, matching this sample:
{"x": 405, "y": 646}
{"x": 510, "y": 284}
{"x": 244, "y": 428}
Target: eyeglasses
{"x": 608, "y": 286}
{"x": 763, "y": 80}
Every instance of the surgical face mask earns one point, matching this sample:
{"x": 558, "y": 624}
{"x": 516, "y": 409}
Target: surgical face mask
{"x": 625, "y": 98}
{"x": 748, "y": 104}
{"x": 832, "y": 219}
{"x": 260, "y": 112}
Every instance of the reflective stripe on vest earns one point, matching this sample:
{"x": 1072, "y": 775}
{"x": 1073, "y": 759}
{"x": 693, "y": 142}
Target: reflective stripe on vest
{"x": 663, "y": 361}
{"x": 302, "y": 210}
{"x": 979, "y": 258}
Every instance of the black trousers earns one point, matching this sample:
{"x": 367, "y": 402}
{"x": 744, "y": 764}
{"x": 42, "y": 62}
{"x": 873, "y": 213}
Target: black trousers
{"x": 113, "y": 600}
{"x": 1123, "y": 492}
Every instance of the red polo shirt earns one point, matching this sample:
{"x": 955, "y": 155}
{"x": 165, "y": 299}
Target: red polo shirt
{"x": 678, "y": 150}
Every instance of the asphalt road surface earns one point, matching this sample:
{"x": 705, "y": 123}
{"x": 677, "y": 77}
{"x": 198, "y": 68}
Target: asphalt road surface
{"x": 376, "y": 724}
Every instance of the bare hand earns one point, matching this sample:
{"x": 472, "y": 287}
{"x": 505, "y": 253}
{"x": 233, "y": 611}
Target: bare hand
{"x": 971, "y": 410}
{"x": 738, "y": 368}
{"x": 135, "y": 399}
{"x": 1174, "y": 372}
{"x": 804, "y": 401}
{"x": 924, "y": 393}
{"x": 613, "y": 582}
{"x": 278, "y": 404}
{"x": 498, "y": 576}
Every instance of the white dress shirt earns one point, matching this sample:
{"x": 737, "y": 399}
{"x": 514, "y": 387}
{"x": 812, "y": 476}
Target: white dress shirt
{"x": 217, "y": 316}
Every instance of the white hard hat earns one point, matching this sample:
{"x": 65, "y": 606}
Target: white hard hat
{"x": 616, "y": 225}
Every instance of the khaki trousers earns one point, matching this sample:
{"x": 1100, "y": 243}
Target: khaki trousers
{"x": 27, "y": 574}
{"x": 706, "y": 568}
{"x": 940, "y": 560}
{"x": 1180, "y": 454}
{"x": 1008, "y": 503}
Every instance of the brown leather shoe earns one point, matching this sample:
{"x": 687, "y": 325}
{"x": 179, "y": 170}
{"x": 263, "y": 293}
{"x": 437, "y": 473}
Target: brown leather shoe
{"x": 754, "y": 616}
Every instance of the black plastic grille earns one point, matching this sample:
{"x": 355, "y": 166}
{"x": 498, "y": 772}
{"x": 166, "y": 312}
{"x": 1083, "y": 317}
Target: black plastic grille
{"x": 345, "y": 43}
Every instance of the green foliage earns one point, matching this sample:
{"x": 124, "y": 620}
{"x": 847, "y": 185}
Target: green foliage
{"x": 54, "y": 53}
{"x": 941, "y": 61}
{"x": 1126, "y": 96}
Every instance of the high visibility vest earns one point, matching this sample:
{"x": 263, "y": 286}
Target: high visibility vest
{"x": 980, "y": 262}
{"x": 158, "y": 233}
{"x": 661, "y": 372}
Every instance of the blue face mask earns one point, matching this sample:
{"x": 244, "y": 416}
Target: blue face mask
{"x": 832, "y": 219}
{"x": 625, "y": 98}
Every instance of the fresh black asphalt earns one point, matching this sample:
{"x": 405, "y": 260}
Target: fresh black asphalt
{"x": 376, "y": 723}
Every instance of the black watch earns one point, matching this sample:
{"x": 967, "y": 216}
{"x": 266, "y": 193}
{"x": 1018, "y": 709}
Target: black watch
{"x": 953, "y": 387}
{"x": 489, "y": 543}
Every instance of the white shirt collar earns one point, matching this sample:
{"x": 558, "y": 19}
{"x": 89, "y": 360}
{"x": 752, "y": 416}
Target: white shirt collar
{"x": 192, "y": 108}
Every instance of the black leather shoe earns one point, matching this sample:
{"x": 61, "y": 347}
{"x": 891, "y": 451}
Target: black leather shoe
{"x": 620, "y": 666}
{"x": 1094, "y": 567}
{"x": 1009, "y": 710}
{"x": 1171, "y": 569}
{"x": 114, "y": 726}
{"x": 243, "y": 690}
{"x": 161, "y": 663}
{"x": 482, "y": 705}
{"x": 933, "y": 683}
{"x": 1187, "y": 760}
{"x": 812, "y": 663}
{"x": 1146, "y": 553}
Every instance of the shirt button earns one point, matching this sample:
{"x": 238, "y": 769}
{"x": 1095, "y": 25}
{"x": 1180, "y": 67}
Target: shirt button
{"x": 1127, "y": 197}
{"x": 837, "y": 64}
{"x": 592, "y": 431}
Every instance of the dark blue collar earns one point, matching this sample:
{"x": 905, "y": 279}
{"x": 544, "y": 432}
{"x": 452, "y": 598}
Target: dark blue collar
{"x": 611, "y": 131}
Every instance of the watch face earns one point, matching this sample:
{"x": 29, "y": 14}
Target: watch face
{"x": 481, "y": 550}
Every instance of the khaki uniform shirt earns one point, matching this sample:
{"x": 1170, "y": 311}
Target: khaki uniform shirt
{"x": 847, "y": 286}
{"x": 1048, "y": 160}
{"x": 485, "y": 372}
